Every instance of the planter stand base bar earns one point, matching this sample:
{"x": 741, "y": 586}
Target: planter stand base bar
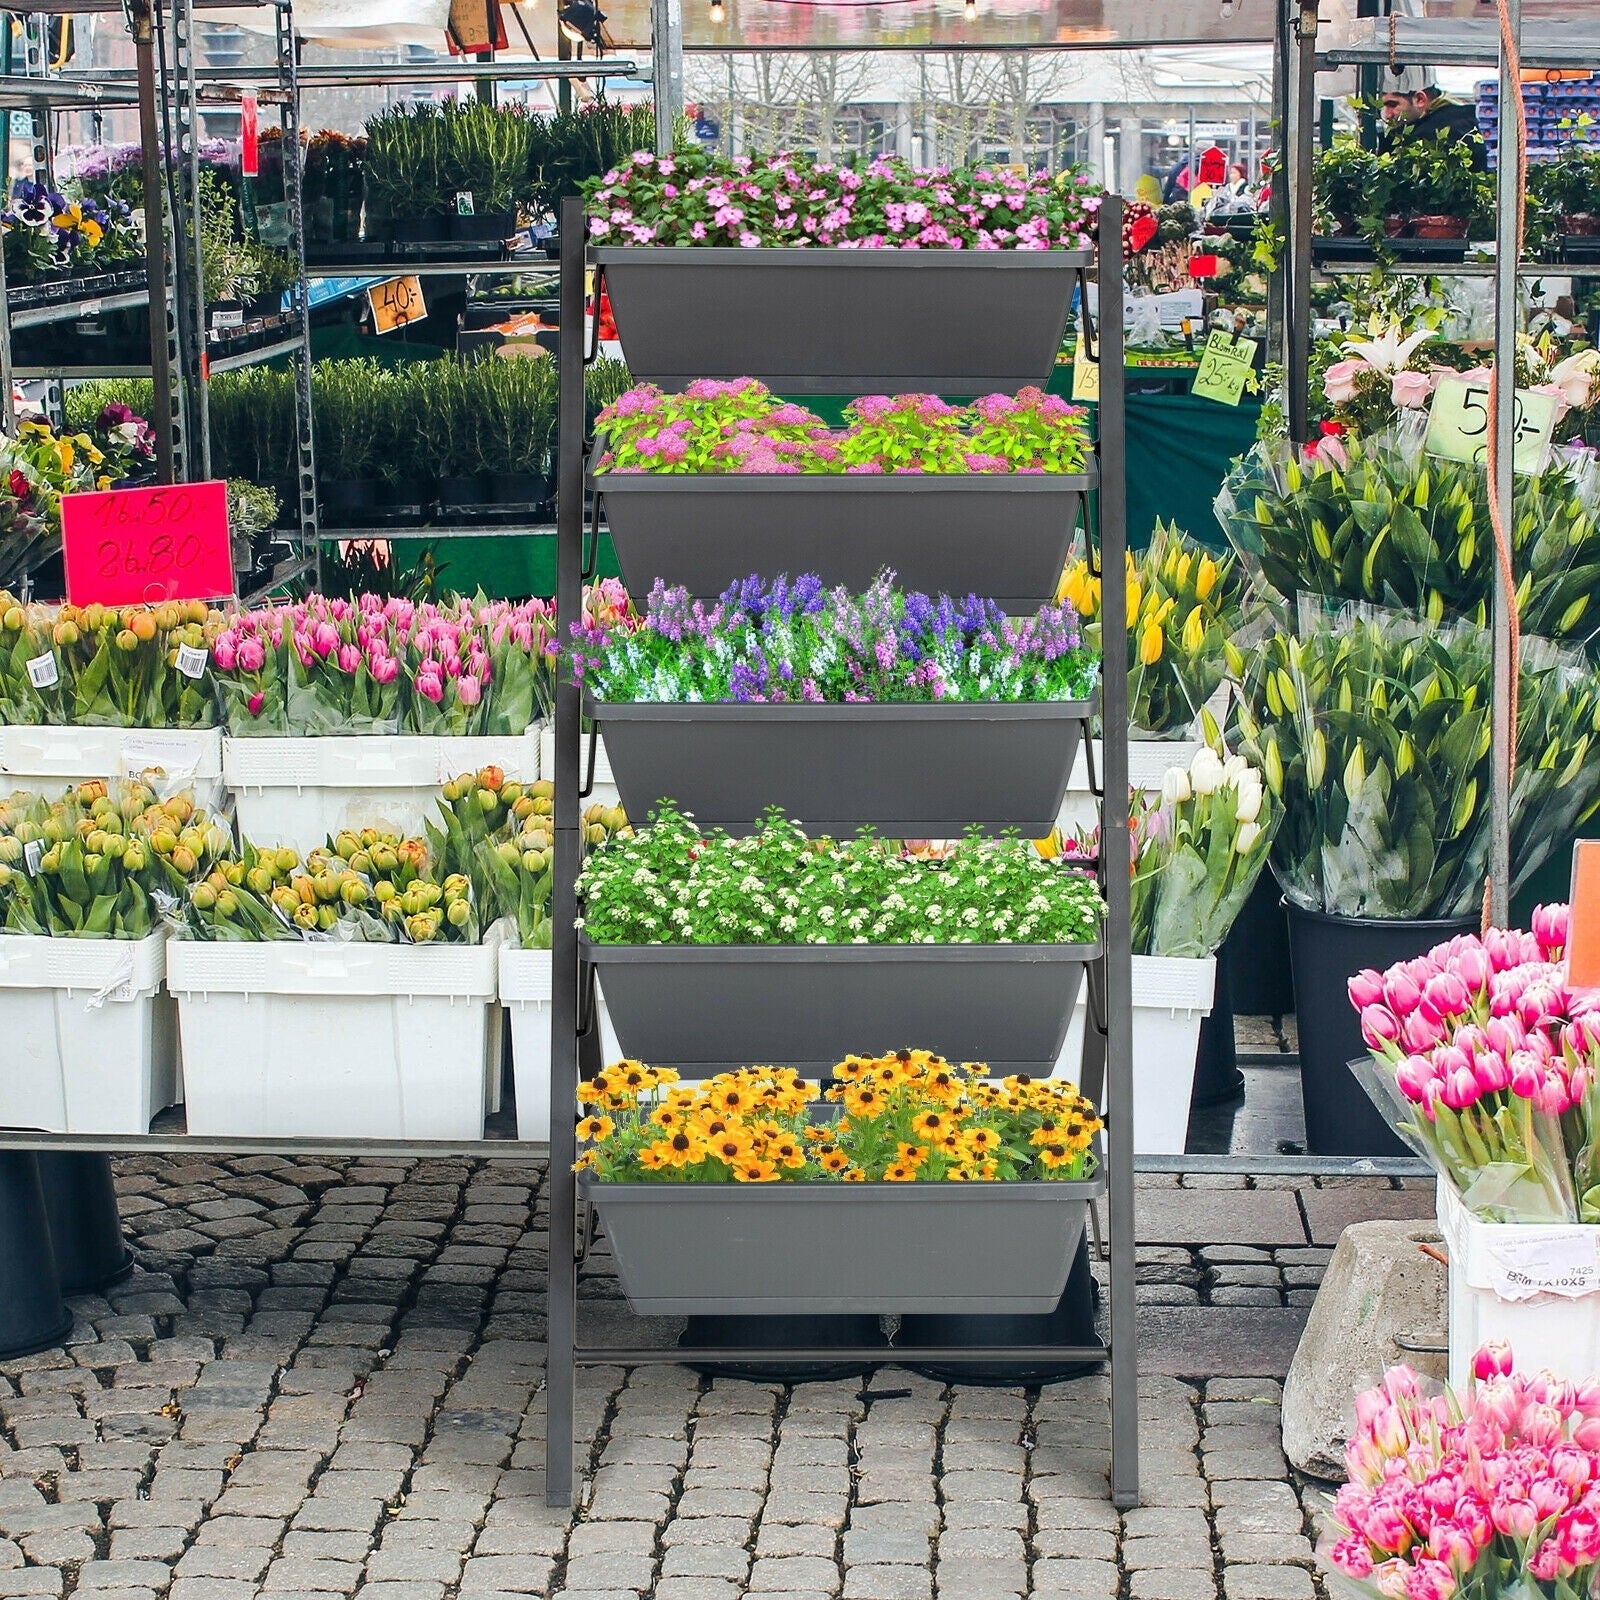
{"x": 877, "y": 1355}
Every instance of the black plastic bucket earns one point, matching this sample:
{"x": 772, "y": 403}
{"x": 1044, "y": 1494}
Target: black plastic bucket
{"x": 1326, "y": 951}
{"x": 32, "y": 1316}
{"x": 1217, "y": 1078}
{"x": 80, "y": 1200}
{"x": 781, "y": 1333}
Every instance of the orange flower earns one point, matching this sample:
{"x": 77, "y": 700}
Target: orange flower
{"x": 755, "y": 1171}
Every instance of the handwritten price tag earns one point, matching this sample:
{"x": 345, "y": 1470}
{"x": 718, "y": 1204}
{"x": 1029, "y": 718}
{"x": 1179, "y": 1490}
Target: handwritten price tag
{"x": 1458, "y": 424}
{"x": 397, "y": 303}
{"x": 1085, "y": 376}
{"x": 143, "y": 546}
{"x": 1225, "y": 368}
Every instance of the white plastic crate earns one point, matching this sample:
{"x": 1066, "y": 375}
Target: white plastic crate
{"x": 337, "y": 1040}
{"x": 299, "y": 791}
{"x": 1148, "y": 760}
{"x": 1536, "y": 1286}
{"x": 1172, "y": 996}
{"x": 605, "y": 785}
{"x": 43, "y": 759}
{"x": 91, "y": 1042}
{"x": 525, "y": 991}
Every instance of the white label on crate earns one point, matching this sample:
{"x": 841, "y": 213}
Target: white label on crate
{"x": 221, "y": 321}
{"x": 32, "y": 855}
{"x": 192, "y": 660}
{"x": 118, "y": 986}
{"x": 43, "y": 672}
{"x": 466, "y": 203}
{"x": 1560, "y": 1263}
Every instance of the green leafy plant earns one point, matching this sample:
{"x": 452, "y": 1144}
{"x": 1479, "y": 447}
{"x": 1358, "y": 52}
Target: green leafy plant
{"x": 406, "y": 162}
{"x": 513, "y": 403}
{"x": 1343, "y": 185}
{"x": 487, "y": 152}
{"x": 350, "y": 401}
{"x": 571, "y": 148}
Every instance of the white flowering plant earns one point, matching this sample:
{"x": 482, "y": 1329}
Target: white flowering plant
{"x": 669, "y": 884}
{"x": 1197, "y": 851}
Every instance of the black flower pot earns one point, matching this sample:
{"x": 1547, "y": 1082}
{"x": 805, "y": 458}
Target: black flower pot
{"x": 488, "y": 227}
{"x": 518, "y": 488}
{"x": 80, "y": 1200}
{"x": 32, "y": 1315}
{"x": 1326, "y": 951}
{"x": 472, "y": 491}
{"x": 410, "y": 230}
{"x": 1217, "y": 1078}
{"x": 783, "y": 1333}
{"x": 406, "y": 498}
{"x": 347, "y": 499}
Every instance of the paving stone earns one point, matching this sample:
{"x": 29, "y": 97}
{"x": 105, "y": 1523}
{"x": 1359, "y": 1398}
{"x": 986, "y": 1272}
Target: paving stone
{"x": 152, "y": 1575}
{"x": 1073, "y": 1579}
{"x": 888, "y": 1583}
{"x": 1267, "y": 1583}
{"x": 793, "y": 1574}
{"x": 1330, "y": 1211}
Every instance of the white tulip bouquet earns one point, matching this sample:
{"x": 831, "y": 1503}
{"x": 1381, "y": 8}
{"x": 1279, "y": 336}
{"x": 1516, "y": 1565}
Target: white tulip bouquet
{"x": 1197, "y": 852}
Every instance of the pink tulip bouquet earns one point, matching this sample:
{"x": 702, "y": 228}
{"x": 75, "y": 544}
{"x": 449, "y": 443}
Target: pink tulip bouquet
{"x": 1492, "y": 1497}
{"x": 371, "y": 665}
{"x": 1490, "y": 1065}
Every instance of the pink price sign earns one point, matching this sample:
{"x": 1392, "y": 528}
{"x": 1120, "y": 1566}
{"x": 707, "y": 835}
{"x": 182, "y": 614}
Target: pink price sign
{"x": 129, "y": 547}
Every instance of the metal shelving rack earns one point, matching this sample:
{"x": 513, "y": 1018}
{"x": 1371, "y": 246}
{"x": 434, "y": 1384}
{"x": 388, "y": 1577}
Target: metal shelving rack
{"x": 1107, "y": 1073}
{"x": 171, "y": 294}
{"x": 1381, "y": 41}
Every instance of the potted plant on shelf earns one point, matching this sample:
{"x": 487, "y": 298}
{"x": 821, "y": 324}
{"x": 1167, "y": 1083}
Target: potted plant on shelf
{"x": 1344, "y": 179}
{"x": 706, "y": 1192}
{"x": 1564, "y": 196}
{"x": 861, "y": 260}
{"x": 345, "y": 401}
{"x": 448, "y": 427}
{"x": 572, "y": 148}
{"x": 365, "y": 947}
{"x": 901, "y": 485}
{"x": 820, "y": 702}
{"x": 715, "y": 951}
{"x": 89, "y": 1034}
{"x": 1374, "y": 735}
{"x": 514, "y": 406}
{"x": 1433, "y": 186}
{"x": 487, "y": 151}
{"x": 405, "y": 174}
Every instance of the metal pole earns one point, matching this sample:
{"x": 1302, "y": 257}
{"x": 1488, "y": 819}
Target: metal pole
{"x": 560, "y": 1380}
{"x": 666, "y": 69}
{"x": 155, "y": 236}
{"x": 1503, "y": 421}
{"x": 1298, "y": 165}
{"x": 299, "y": 294}
{"x": 1114, "y": 826}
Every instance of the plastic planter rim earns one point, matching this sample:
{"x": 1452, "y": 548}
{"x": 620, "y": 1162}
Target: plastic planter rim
{"x": 789, "y": 255}
{"x": 841, "y": 711}
{"x": 1445, "y": 925}
{"x": 612, "y": 482}
{"x": 862, "y": 954}
{"x": 1015, "y": 1190}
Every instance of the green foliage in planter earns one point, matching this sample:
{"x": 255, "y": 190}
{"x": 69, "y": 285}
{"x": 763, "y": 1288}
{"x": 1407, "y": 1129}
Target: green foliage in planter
{"x": 83, "y": 402}
{"x": 349, "y": 401}
{"x": 514, "y": 402}
{"x": 571, "y": 147}
{"x": 406, "y": 162}
{"x": 1343, "y": 182}
{"x": 1569, "y": 186}
{"x": 446, "y": 426}
{"x": 1429, "y": 178}
{"x": 486, "y": 154}
{"x": 253, "y": 429}
{"x": 604, "y": 382}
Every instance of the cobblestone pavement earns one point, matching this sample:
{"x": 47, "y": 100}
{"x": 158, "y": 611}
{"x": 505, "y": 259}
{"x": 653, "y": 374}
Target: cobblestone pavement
{"x": 325, "y": 1380}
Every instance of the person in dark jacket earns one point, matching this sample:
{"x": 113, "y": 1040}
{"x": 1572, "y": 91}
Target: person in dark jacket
{"x": 1414, "y": 108}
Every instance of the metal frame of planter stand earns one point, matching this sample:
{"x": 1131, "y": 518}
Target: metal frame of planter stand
{"x": 575, "y": 1047}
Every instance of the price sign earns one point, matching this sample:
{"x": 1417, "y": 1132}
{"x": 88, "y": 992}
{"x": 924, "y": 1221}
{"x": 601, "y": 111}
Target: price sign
{"x": 1225, "y": 368}
{"x": 1583, "y": 931}
{"x": 1458, "y": 424}
{"x": 397, "y": 303}
{"x": 249, "y": 136}
{"x": 1085, "y": 376}
{"x": 142, "y": 546}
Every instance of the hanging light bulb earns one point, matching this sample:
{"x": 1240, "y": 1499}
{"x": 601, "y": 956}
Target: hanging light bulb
{"x": 718, "y": 14}
{"x": 972, "y": 10}
{"x": 1227, "y": 10}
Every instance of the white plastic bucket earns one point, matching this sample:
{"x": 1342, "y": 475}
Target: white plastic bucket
{"x": 605, "y": 785}
{"x": 46, "y": 760}
{"x": 1172, "y": 996}
{"x": 91, "y": 1043}
{"x": 1537, "y": 1286}
{"x": 298, "y": 792}
{"x": 338, "y": 1039}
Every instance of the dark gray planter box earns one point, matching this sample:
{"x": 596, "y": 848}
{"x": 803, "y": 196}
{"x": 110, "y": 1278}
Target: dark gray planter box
{"x": 1003, "y": 537}
{"x": 706, "y": 1008}
{"x": 911, "y": 771}
{"x": 830, "y": 321}
{"x": 834, "y": 1248}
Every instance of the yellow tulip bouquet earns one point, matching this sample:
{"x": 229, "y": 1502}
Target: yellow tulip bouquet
{"x": 905, "y": 1117}
{"x": 1184, "y": 605}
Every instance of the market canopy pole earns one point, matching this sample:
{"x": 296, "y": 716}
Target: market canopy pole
{"x": 1502, "y": 458}
{"x": 666, "y": 69}
{"x": 1297, "y": 173}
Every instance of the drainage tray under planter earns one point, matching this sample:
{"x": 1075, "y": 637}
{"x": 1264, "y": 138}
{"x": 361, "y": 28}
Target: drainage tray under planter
{"x": 1005, "y": 536}
{"x": 706, "y": 1008}
{"x": 911, "y": 771}
{"x": 828, "y": 321}
{"x": 693, "y": 1249}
